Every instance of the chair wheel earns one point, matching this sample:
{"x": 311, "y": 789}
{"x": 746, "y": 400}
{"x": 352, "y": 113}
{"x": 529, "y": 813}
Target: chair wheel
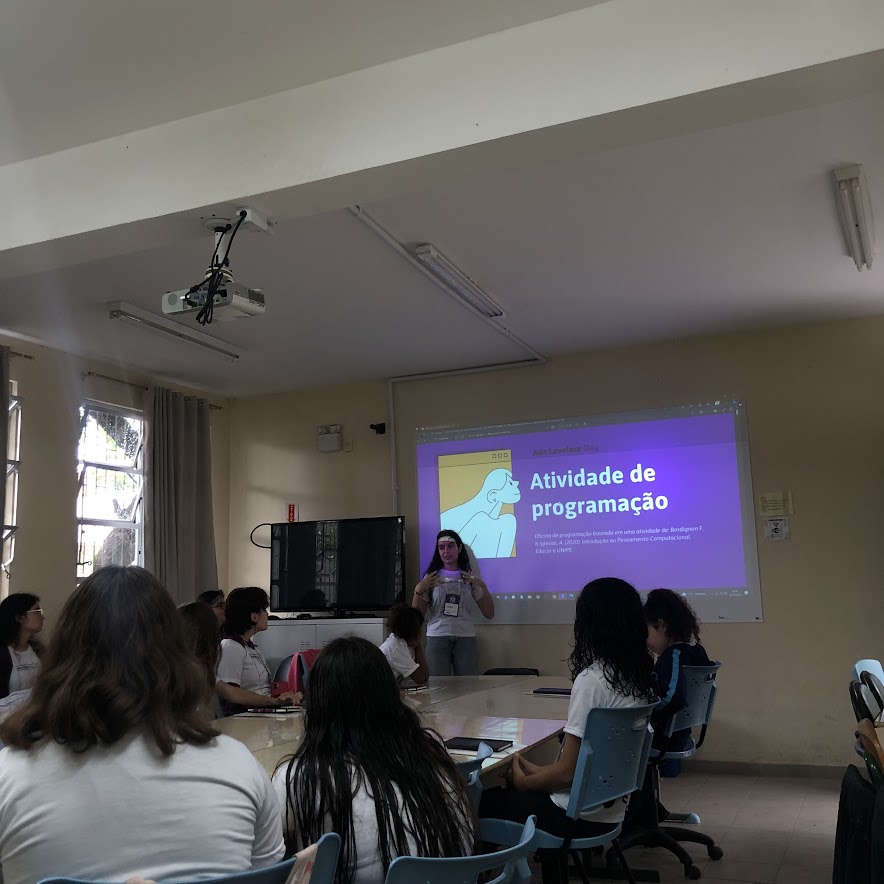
{"x": 715, "y": 852}
{"x": 692, "y": 872}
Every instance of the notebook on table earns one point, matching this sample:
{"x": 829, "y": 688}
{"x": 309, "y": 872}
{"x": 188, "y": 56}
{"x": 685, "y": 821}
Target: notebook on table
{"x": 471, "y": 744}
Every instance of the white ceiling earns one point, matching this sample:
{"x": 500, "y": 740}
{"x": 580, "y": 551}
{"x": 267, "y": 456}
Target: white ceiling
{"x": 76, "y": 72}
{"x": 729, "y": 228}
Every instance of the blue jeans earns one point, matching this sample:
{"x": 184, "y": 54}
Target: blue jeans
{"x": 452, "y": 655}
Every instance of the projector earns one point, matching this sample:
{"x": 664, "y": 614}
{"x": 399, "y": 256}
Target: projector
{"x": 232, "y": 301}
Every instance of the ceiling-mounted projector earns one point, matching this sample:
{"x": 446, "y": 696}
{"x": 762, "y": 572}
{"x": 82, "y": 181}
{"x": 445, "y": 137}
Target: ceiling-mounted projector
{"x": 231, "y": 301}
{"x": 217, "y": 296}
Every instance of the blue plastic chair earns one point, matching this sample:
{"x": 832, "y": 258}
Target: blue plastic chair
{"x": 474, "y": 788}
{"x": 701, "y": 689}
{"x": 466, "y": 869}
{"x": 467, "y": 768}
{"x": 873, "y": 684}
{"x": 867, "y": 665}
{"x": 325, "y": 864}
{"x": 871, "y": 702}
{"x": 613, "y": 756}
{"x": 865, "y": 701}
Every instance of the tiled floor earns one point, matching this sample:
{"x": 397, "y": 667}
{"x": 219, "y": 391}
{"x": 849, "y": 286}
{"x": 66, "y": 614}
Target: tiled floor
{"x": 772, "y": 830}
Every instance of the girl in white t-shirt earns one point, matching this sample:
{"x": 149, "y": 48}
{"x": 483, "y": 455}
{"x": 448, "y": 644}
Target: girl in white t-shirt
{"x": 115, "y": 742}
{"x": 402, "y": 647}
{"x": 244, "y": 678}
{"x": 611, "y": 667}
{"x": 21, "y": 620}
{"x": 369, "y": 771}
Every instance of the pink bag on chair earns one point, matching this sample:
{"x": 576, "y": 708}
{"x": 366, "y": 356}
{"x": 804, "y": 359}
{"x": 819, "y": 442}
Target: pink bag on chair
{"x": 300, "y": 668}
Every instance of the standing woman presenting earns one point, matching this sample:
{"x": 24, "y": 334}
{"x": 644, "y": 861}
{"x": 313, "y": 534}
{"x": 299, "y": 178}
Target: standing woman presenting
{"x": 450, "y": 595}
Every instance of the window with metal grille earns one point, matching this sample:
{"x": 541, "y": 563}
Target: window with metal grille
{"x": 13, "y": 459}
{"x": 110, "y": 478}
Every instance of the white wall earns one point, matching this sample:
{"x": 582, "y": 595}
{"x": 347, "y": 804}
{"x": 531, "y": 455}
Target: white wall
{"x": 816, "y": 423}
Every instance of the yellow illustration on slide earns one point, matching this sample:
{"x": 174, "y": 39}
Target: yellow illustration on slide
{"x": 476, "y": 496}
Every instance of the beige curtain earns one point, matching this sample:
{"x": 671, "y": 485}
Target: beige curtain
{"x": 4, "y": 427}
{"x": 179, "y": 536}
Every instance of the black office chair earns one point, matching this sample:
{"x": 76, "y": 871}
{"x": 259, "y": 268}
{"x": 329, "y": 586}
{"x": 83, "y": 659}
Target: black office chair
{"x": 512, "y": 670}
{"x": 282, "y": 671}
{"x": 863, "y": 702}
{"x": 875, "y": 687}
{"x": 644, "y": 828}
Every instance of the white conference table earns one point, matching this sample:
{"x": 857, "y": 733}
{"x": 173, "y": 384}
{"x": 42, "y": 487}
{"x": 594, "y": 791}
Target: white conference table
{"x": 513, "y": 699}
{"x": 490, "y": 706}
{"x": 442, "y": 689}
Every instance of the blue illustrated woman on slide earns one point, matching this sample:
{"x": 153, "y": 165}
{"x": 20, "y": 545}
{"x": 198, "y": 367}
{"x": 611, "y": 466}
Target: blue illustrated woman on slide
{"x": 479, "y": 522}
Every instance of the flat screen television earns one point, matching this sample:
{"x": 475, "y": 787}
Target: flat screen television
{"x": 337, "y": 565}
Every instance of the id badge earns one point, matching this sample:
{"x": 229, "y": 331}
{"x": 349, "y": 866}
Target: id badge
{"x": 451, "y": 608}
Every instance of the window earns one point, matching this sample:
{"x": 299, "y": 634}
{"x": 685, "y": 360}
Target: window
{"x": 13, "y": 454}
{"x": 109, "y": 487}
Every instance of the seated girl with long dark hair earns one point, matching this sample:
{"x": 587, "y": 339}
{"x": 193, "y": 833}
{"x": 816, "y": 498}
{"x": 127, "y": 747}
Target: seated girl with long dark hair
{"x": 21, "y": 619}
{"x": 611, "y": 667}
{"x": 204, "y": 635}
{"x": 369, "y": 771}
{"x": 113, "y": 768}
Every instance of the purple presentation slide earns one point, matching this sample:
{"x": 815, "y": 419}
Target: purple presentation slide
{"x": 655, "y": 502}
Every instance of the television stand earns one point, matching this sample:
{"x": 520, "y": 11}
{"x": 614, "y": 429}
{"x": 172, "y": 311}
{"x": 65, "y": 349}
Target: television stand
{"x": 339, "y": 614}
{"x": 284, "y": 637}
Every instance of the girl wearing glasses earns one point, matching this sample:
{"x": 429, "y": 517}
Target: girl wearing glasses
{"x": 450, "y": 596}
{"x": 244, "y": 679}
{"x": 21, "y": 620}
{"x": 214, "y": 598}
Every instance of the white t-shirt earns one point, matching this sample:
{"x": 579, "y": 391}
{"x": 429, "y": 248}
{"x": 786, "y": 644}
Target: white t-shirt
{"x": 399, "y": 655}
{"x": 452, "y": 595}
{"x": 244, "y": 666}
{"x": 591, "y": 691}
{"x": 25, "y": 666}
{"x": 8, "y": 703}
{"x": 369, "y": 869}
{"x": 117, "y": 811}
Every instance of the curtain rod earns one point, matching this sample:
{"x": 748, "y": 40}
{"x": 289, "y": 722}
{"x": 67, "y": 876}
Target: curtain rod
{"x": 107, "y": 377}
{"x": 14, "y": 354}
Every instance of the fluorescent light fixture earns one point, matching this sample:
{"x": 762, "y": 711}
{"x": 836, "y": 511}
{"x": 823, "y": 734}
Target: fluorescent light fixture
{"x": 855, "y": 211}
{"x": 153, "y": 322}
{"x": 460, "y": 286}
